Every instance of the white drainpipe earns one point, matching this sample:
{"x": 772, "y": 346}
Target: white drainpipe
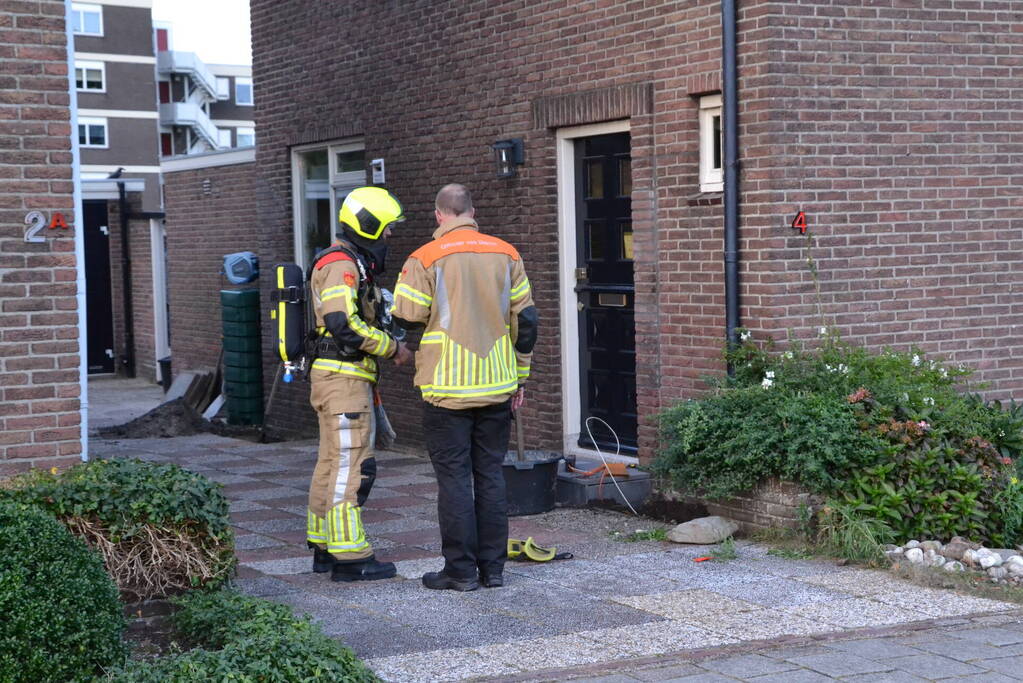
{"x": 83, "y": 349}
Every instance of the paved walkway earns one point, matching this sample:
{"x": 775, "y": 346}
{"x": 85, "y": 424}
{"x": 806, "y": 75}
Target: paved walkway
{"x": 116, "y": 400}
{"x": 611, "y": 609}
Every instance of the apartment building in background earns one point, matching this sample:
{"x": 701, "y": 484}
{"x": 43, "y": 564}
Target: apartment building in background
{"x": 140, "y": 102}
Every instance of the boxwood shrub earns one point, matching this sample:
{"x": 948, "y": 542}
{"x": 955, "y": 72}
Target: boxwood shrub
{"x": 60, "y": 619}
{"x": 242, "y": 638}
{"x": 159, "y": 528}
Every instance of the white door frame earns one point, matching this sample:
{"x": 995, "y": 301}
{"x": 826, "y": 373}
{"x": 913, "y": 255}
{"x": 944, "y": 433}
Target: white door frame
{"x": 161, "y": 328}
{"x": 571, "y": 411}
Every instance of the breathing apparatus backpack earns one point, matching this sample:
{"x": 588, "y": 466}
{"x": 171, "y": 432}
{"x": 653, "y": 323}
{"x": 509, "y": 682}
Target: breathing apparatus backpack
{"x": 299, "y": 342}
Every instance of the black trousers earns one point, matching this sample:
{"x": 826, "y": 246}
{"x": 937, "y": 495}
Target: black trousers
{"x": 467, "y": 449}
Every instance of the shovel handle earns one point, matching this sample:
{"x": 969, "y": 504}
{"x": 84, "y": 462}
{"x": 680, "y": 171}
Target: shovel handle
{"x": 518, "y": 437}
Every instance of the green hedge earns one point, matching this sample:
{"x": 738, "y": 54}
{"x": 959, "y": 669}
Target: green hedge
{"x": 159, "y": 528}
{"x": 889, "y": 436}
{"x": 247, "y": 639}
{"x": 60, "y": 619}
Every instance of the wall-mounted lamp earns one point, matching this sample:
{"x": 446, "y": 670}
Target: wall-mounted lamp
{"x": 507, "y": 155}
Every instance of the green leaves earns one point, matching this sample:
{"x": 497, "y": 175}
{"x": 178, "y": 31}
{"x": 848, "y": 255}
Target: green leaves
{"x": 889, "y": 435}
{"x": 247, "y": 639}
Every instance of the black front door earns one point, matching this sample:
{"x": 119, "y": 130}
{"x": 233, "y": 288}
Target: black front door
{"x": 98, "y": 305}
{"x": 604, "y": 284}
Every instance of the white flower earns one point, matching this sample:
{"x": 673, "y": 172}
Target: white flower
{"x": 824, "y": 331}
{"x": 829, "y": 368}
{"x": 843, "y": 368}
{"x": 767, "y": 383}
{"x": 788, "y": 355}
{"x": 745, "y": 335}
{"x": 944, "y": 372}
{"x": 769, "y": 374}
{"x": 928, "y": 401}
{"x": 916, "y": 360}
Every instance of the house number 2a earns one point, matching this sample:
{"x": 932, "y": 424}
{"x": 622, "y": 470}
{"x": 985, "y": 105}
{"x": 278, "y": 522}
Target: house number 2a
{"x": 35, "y": 221}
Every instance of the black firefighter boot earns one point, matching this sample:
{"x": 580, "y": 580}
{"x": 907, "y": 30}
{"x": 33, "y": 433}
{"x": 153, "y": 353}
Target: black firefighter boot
{"x": 322, "y": 560}
{"x": 369, "y": 569}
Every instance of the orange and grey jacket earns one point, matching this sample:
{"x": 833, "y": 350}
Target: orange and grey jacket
{"x": 341, "y": 314}
{"x": 471, "y": 292}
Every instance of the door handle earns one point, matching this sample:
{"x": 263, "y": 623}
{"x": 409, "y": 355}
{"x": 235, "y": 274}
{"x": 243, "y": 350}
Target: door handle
{"x": 580, "y": 306}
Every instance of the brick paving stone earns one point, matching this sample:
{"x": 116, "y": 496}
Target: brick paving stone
{"x": 874, "y": 648}
{"x": 990, "y": 636}
{"x": 886, "y": 677}
{"x": 253, "y": 541}
{"x": 797, "y": 676}
{"x": 611, "y": 678}
{"x": 841, "y": 664}
{"x": 1010, "y": 666}
{"x": 962, "y": 650}
{"x": 288, "y": 523}
{"x": 932, "y": 666}
{"x": 989, "y": 677}
{"x": 396, "y": 502}
{"x": 703, "y": 678}
{"x": 258, "y": 515}
{"x": 665, "y": 673}
{"x": 747, "y": 666}
{"x": 262, "y": 554}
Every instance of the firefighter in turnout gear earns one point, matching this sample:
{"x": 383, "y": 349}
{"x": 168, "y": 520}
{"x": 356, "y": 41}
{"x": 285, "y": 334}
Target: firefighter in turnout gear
{"x": 471, "y": 294}
{"x": 349, "y": 342}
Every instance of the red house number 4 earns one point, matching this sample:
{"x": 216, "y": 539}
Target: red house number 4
{"x": 800, "y": 222}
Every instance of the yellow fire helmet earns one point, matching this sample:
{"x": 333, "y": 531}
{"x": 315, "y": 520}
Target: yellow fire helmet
{"x": 369, "y": 210}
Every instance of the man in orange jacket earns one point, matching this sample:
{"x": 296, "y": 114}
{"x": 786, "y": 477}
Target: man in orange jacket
{"x": 471, "y": 293}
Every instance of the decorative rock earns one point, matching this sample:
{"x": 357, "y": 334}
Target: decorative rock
{"x": 969, "y": 558}
{"x": 912, "y": 544}
{"x": 895, "y": 554}
{"x": 1004, "y": 553}
{"x": 954, "y": 566}
{"x": 915, "y": 556}
{"x": 933, "y": 559}
{"x": 1014, "y": 565}
{"x": 988, "y": 559}
{"x": 997, "y": 573}
{"x": 930, "y": 545}
{"x": 955, "y": 548}
{"x": 704, "y": 531}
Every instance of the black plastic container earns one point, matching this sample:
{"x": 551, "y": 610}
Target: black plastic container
{"x": 531, "y": 482}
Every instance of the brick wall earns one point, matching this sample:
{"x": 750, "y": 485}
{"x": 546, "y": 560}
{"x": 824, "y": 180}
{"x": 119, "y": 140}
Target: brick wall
{"x": 433, "y": 107}
{"x": 210, "y": 212}
{"x": 140, "y": 256}
{"x": 39, "y": 390}
{"x": 896, "y": 128}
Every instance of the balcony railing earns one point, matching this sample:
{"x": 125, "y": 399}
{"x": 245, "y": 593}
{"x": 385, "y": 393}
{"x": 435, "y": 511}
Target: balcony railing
{"x": 192, "y": 115}
{"x": 188, "y": 63}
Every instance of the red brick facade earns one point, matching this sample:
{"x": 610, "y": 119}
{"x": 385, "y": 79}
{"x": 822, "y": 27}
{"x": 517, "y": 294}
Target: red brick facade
{"x": 39, "y": 382}
{"x": 141, "y": 259}
{"x": 211, "y": 212}
{"x": 896, "y": 128}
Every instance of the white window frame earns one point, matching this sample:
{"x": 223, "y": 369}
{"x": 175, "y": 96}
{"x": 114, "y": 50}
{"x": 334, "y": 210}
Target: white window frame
{"x": 252, "y": 93}
{"x": 101, "y": 66}
{"x": 94, "y": 121}
{"x": 81, "y": 8}
{"x": 223, "y": 88}
{"x": 245, "y": 131}
{"x": 711, "y": 179}
{"x": 223, "y": 133}
{"x": 337, "y": 182}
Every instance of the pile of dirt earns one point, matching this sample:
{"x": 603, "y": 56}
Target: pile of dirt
{"x": 175, "y": 418}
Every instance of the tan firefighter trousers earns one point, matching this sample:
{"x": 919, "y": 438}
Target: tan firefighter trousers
{"x": 345, "y": 469}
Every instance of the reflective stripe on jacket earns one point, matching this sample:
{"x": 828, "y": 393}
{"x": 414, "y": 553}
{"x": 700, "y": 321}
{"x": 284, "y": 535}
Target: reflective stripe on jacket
{"x": 468, "y": 289}
{"x": 335, "y": 289}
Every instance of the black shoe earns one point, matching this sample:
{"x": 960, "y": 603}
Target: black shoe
{"x": 439, "y": 581}
{"x": 367, "y": 570}
{"x": 492, "y": 580}
{"x": 322, "y": 560}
